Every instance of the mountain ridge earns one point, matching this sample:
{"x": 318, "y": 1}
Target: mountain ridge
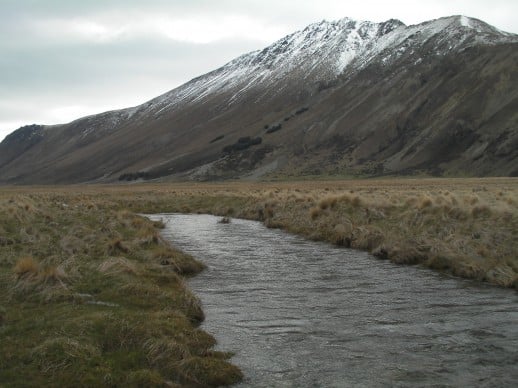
{"x": 312, "y": 69}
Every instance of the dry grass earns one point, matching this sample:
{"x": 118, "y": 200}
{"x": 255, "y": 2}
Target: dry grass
{"x": 59, "y": 353}
{"x": 86, "y": 286}
{"x": 118, "y": 265}
{"x": 467, "y": 227}
{"x": 82, "y": 276}
{"x": 26, "y": 267}
{"x": 179, "y": 262}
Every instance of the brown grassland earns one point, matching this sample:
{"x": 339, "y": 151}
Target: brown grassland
{"x": 90, "y": 294}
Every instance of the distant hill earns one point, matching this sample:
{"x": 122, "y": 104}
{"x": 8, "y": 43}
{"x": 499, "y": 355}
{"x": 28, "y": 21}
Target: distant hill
{"x": 343, "y": 98}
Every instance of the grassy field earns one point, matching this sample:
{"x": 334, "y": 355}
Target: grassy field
{"x": 466, "y": 227}
{"x": 90, "y": 293}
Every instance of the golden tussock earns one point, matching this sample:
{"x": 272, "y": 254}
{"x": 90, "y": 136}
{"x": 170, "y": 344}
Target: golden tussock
{"x": 26, "y": 267}
{"x": 116, "y": 265}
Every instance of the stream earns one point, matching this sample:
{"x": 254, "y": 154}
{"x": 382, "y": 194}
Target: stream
{"x": 299, "y": 313}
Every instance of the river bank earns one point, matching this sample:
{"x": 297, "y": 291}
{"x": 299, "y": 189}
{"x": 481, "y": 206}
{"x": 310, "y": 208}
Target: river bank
{"x": 91, "y": 295}
{"x": 464, "y": 227}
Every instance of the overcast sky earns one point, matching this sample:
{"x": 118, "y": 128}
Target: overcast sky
{"x": 64, "y": 59}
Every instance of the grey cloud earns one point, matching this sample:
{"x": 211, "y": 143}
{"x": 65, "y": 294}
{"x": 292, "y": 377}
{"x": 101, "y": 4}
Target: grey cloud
{"x": 29, "y": 68}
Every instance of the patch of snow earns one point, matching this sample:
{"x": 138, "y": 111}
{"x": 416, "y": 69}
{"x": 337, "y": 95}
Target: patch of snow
{"x": 464, "y": 22}
{"x": 319, "y": 52}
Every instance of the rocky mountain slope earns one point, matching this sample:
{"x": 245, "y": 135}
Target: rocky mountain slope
{"x": 337, "y": 98}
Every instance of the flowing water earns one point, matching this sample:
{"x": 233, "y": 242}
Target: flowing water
{"x": 304, "y": 314}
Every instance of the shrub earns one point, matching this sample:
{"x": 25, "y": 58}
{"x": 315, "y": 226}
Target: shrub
{"x": 274, "y": 128}
{"x": 217, "y": 139}
{"x": 242, "y": 144}
{"x": 133, "y": 176}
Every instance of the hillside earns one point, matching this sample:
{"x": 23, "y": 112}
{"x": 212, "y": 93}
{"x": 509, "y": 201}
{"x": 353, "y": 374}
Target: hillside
{"x": 337, "y": 98}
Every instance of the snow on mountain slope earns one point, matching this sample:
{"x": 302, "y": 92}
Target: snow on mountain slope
{"x": 321, "y": 52}
{"x": 326, "y": 49}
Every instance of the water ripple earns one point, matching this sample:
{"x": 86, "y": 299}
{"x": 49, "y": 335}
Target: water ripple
{"x": 304, "y": 314}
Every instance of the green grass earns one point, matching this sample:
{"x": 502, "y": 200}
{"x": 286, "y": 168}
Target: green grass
{"x": 90, "y": 295}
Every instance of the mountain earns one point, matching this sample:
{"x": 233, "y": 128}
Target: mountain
{"x": 339, "y": 98}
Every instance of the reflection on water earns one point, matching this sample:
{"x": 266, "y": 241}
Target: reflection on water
{"x": 304, "y": 314}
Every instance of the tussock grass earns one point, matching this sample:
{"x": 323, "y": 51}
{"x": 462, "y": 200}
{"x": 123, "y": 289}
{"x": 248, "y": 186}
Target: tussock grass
{"x": 179, "y": 262}
{"x": 55, "y": 354}
{"x": 315, "y": 212}
{"x": 26, "y": 267}
{"x": 33, "y": 278}
{"x": 466, "y": 227}
{"x": 90, "y": 294}
{"x": 117, "y": 265}
{"x": 328, "y": 202}
{"x": 342, "y": 233}
{"x": 198, "y": 370}
{"x": 116, "y": 246}
{"x": 3, "y": 316}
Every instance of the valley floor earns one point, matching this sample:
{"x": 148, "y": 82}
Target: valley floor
{"x": 90, "y": 292}
{"x": 466, "y": 227}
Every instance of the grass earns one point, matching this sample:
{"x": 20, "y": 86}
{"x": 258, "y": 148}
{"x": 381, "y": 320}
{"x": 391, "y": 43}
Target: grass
{"x": 90, "y": 293}
{"x": 465, "y": 227}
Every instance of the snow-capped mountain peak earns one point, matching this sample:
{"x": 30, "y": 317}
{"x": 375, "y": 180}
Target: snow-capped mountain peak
{"x": 320, "y": 52}
{"x": 339, "y": 40}
{"x": 323, "y": 50}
